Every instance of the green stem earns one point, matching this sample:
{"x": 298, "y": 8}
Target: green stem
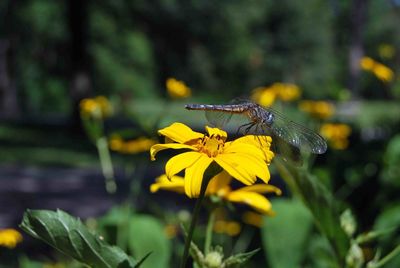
{"x": 106, "y": 164}
{"x": 287, "y": 176}
{"x": 387, "y": 258}
{"x": 196, "y": 213}
{"x": 209, "y": 231}
{"x": 244, "y": 240}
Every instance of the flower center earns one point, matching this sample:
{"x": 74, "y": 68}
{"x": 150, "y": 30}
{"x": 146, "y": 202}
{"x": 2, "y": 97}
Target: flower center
{"x": 211, "y": 146}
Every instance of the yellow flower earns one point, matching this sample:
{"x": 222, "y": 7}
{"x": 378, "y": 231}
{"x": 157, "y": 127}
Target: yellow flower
{"x": 318, "y": 109}
{"x": 383, "y": 72}
{"x": 98, "y": 107}
{"x": 219, "y": 186}
{"x": 264, "y": 96}
{"x": 249, "y": 195}
{"x": 138, "y": 145}
{"x": 253, "y": 218}
{"x": 367, "y": 63}
{"x": 177, "y": 89}
{"x": 231, "y": 228}
{"x": 286, "y": 91}
{"x": 171, "y": 230}
{"x": 9, "y": 238}
{"x": 337, "y": 135}
{"x": 174, "y": 184}
{"x": 241, "y": 158}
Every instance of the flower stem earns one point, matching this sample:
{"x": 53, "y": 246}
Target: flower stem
{"x": 210, "y": 225}
{"x": 385, "y": 259}
{"x": 106, "y": 164}
{"x": 196, "y": 213}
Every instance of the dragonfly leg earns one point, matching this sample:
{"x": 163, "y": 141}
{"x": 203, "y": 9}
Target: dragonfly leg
{"x": 242, "y": 126}
{"x": 250, "y": 125}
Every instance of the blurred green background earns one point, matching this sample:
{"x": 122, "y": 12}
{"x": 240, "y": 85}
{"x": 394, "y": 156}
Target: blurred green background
{"x": 53, "y": 54}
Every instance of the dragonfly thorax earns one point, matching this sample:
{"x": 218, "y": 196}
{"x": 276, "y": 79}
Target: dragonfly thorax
{"x": 259, "y": 115}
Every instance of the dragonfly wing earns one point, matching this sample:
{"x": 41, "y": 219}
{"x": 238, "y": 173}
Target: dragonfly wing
{"x": 217, "y": 118}
{"x": 297, "y": 135}
{"x": 286, "y": 150}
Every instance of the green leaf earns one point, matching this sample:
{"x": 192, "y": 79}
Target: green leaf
{"x": 240, "y": 258}
{"x": 286, "y": 234}
{"x": 322, "y": 205}
{"x": 70, "y": 236}
{"x": 320, "y": 253}
{"x": 147, "y": 235}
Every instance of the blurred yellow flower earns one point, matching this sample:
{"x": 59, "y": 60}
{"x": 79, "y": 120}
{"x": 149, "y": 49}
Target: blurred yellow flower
{"x": 381, "y": 71}
{"x": 98, "y": 107}
{"x": 177, "y": 89}
{"x": 241, "y": 158}
{"x": 219, "y": 186}
{"x": 386, "y": 51}
{"x": 249, "y": 195}
{"x": 231, "y": 228}
{"x": 171, "y": 230}
{"x": 286, "y": 91}
{"x": 266, "y": 96}
{"x": 317, "y": 109}
{"x": 174, "y": 184}
{"x": 253, "y": 218}
{"x": 337, "y": 135}
{"x": 139, "y": 145}
{"x": 263, "y": 96}
{"x": 9, "y": 238}
{"x": 367, "y": 63}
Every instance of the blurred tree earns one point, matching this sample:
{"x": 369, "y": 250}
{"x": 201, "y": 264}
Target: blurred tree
{"x": 122, "y": 52}
{"x": 41, "y": 56}
{"x": 80, "y": 79}
{"x": 358, "y": 18}
{"x": 8, "y": 96}
{"x": 297, "y": 37}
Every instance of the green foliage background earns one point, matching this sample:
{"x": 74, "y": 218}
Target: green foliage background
{"x": 222, "y": 50}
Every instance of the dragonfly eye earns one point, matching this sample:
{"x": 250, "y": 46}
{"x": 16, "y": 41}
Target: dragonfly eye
{"x": 270, "y": 118}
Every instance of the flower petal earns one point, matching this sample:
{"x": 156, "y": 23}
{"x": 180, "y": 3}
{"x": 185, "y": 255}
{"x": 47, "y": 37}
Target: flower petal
{"x": 194, "y": 176}
{"x": 237, "y": 171}
{"x": 175, "y": 184}
{"x": 180, "y": 133}
{"x": 262, "y": 189}
{"x": 253, "y": 166}
{"x": 181, "y": 161}
{"x": 253, "y": 146}
{"x": 216, "y": 132}
{"x": 255, "y": 200}
{"x": 219, "y": 182}
{"x": 159, "y": 147}
{"x": 257, "y": 140}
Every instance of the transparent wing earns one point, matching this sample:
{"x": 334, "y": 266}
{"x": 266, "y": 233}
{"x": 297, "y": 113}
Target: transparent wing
{"x": 217, "y": 118}
{"x": 221, "y": 119}
{"x": 297, "y": 135}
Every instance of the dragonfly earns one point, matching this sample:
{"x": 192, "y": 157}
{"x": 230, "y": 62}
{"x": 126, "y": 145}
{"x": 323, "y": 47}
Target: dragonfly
{"x": 266, "y": 121}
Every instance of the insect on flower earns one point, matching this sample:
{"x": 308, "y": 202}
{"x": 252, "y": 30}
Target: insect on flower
{"x": 266, "y": 121}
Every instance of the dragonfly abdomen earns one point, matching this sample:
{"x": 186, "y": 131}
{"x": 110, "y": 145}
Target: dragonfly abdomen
{"x": 222, "y": 108}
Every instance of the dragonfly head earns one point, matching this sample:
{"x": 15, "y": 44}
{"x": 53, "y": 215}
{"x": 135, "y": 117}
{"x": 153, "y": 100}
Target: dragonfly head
{"x": 268, "y": 119}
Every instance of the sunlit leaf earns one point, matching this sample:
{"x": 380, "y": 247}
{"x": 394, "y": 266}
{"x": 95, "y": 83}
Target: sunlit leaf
{"x": 322, "y": 205}
{"x": 70, "y": 236}
{"x": 286, "y": 234}
{"x": 146, "y": 234}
